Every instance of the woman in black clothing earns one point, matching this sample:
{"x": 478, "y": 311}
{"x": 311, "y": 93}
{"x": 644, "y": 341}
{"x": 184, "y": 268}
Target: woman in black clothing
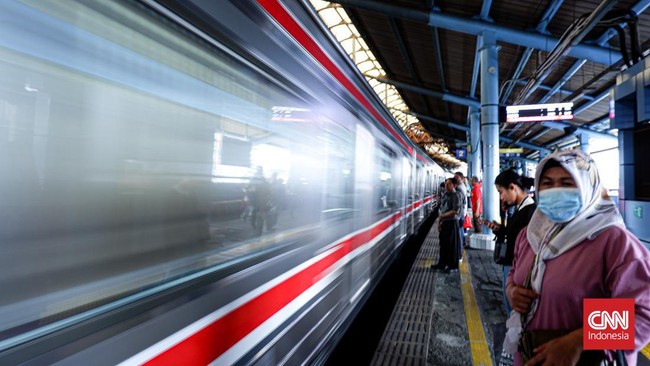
{"x": 513, "y": 191}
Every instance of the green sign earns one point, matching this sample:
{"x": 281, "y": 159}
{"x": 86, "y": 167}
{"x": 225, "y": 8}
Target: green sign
{"x": 638, "y": 212}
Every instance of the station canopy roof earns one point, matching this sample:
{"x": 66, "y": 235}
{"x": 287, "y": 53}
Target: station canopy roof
{"x": 422, "y": 58}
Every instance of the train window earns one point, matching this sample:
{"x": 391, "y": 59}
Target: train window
{"x": 339, "y": 185}
{"x": 384, "y": 184}
{"x": 136, "y": 154}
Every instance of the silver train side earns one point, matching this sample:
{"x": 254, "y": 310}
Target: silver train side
{"x": 191, "y": 182}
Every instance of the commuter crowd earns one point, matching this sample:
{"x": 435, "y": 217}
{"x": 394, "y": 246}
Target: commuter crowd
{"x": 560, "y": 240}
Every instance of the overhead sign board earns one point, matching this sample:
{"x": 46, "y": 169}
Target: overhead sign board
{"x": 539, "y": 112}
{"x": 461, "y": 153}
{"x": 512, "y": 150}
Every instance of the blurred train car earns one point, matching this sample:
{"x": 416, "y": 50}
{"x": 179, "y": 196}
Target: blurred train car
{"x": 191, "y": 182}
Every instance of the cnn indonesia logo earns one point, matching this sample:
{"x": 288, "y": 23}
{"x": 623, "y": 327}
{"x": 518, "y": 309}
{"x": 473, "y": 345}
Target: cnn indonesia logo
{"x": 608, "y": 324}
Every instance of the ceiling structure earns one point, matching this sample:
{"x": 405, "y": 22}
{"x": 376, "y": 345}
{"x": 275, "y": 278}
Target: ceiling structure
{"x": 550, "y": 51}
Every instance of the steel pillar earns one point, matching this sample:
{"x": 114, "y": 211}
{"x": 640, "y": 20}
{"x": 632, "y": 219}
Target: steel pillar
{"x": 490, "y": 123}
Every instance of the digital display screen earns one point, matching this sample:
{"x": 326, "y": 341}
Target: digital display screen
{"x": 539, "y": 112}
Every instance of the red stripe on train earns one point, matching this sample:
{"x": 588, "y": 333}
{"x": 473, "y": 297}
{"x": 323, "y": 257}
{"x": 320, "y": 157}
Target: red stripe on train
{"x": 212, "y": 341}
{"x": 277, "y": 11}
{"x": 209, "y": 343}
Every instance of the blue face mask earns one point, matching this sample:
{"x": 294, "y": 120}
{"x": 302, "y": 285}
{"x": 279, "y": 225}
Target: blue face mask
{"x": 560, "y": 204}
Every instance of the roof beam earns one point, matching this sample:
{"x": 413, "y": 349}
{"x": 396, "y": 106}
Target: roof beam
{"x": 579, "y": 130}
{"x": 563, "y": 91}
{"x": 466, "y": 129}
{"x": 563, "y": 47}
{"x": 485, "y": 9}
{"x": 527, "y": 145}
{"x": 600, "y": 55}
{"x": 539, "y": 134}
{"x": 484, "y": 15}
{"x": 406, "y": 56}
{"x": 590, "y": 103}
{"x": 637, "y": 9}
{"x": 436, "y": 47}
{"x": 477, "y": 64}
{"x": 439, "y": 65}
{"x": 471, "y": 102}
{"x": 560, "y": 140}
{"x": 446, "y": 137}
{"x": 402, "y": 48}
{"x": 440, "y": 122}
{"x": 550, "y": 12}
{"x": 520, "y": 68}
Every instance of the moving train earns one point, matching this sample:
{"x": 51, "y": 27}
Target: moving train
{"x": 191, "y": 182}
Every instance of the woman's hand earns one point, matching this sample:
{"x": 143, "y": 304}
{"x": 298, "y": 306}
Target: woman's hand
{"x": 493, "y": 225}
{"x": 561, "y": 351}
{"x": 520, "y": 298}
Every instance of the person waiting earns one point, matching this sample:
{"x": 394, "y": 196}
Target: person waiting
{"x": 476, "y": 200}
{"x": 449, "y": 232}
{"x": 576, "y": 246}
{"x": 513, "y": 191}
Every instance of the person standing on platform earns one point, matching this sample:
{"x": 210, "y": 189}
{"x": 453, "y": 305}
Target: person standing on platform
{"x": 575, "y": 247}
{"x": 477, "y": 204}
{"x": 461, "y": 189}
{"x": 513, "y": 191}
{"x": 449, "y": 233}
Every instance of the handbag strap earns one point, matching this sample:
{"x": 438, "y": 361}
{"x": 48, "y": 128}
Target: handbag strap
{"x": 527, "y": 285}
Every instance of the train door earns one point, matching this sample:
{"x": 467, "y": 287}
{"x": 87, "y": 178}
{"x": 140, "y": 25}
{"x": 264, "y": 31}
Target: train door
{"x": 385, "y": 195}
{"x": 364, "y": 168}
{"x": 385, "y": 192}
{"x": 401, "y": 196}
{"x": 423, "y": 194}
{"x": 440, "y": 190}
{"x": 426, "y": 203}
{"x": 417, "y": 196}
{"x": 338, "y": 195}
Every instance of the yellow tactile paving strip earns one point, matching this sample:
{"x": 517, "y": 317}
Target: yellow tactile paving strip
{"x": 478, "y": 343}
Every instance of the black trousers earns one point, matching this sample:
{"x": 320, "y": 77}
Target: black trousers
{"x": 449, "y": 243}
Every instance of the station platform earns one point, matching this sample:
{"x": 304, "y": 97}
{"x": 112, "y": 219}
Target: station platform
{"x": 455, "y": 318}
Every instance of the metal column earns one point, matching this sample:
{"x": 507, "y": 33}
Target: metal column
{"x": 490, "y": 123}
{"x": 584, "y": 142}
{"x": 475, "y": 143}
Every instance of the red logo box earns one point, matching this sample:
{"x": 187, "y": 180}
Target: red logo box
{"x": 608, "y": 324}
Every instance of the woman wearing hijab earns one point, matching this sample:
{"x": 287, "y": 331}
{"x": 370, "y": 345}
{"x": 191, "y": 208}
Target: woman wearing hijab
{"x": 575, "y": 246}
